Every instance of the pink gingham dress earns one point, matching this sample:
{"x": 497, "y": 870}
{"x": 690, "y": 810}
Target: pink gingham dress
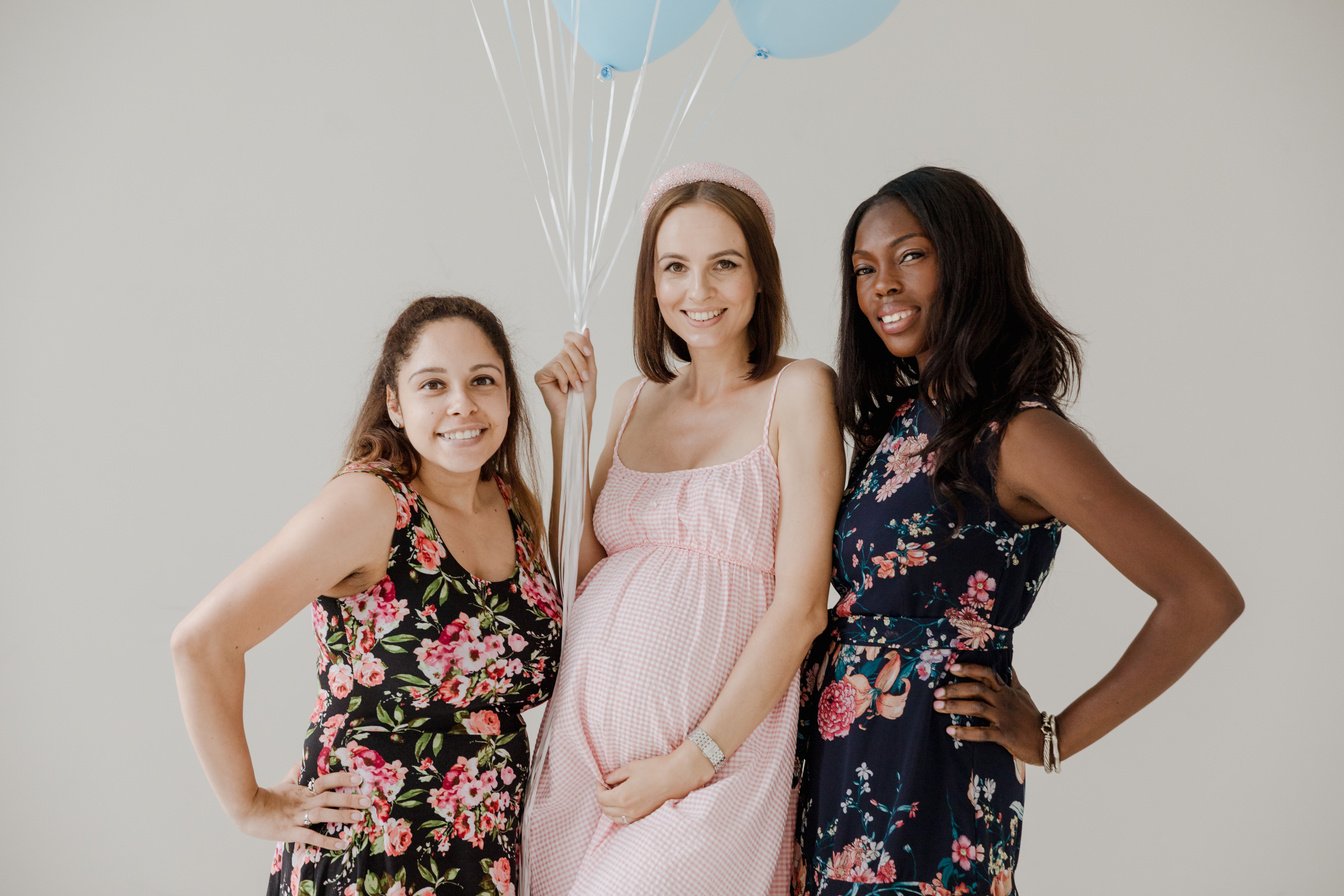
{"x": 655, "y": 632}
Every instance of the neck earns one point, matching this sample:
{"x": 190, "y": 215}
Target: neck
{"x": 713, "y": 371}
{"x": 457, "y": 491}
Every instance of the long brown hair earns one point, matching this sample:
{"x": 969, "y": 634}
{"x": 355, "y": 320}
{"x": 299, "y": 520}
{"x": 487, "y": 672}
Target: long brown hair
{"x": 654, "y": 341}
{"x": 993, "y": 343}
{"x": 374, "y": 439}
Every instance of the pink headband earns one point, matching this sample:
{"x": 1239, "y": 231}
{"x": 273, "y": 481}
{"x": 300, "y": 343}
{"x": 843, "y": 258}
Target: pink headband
{"x": 694, "y": 172}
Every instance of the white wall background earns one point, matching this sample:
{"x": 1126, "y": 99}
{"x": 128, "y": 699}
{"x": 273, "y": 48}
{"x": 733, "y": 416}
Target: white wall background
{"x": 209, "y": 213}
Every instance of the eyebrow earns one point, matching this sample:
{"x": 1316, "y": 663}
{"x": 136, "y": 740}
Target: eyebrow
{"x": 720, "y": 254}
{"x": 896, "y": 242}
{"x": 474, "y": 368}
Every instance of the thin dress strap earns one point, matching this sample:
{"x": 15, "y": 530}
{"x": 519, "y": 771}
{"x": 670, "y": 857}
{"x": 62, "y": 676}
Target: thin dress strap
{"x": 630, "y": 409}
{"x": 770, "y": 408}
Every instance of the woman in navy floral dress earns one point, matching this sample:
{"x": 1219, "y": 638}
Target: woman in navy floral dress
{"x": 438, "y": 627}
{"x": 914, "y": 735}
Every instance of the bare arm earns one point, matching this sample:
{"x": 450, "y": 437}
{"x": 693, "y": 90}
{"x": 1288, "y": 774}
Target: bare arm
{"x": 811, "y": 474}
{"x": 1048, "y": 466}
{"x": 575, "y": 367}
{"x": 340, "y": 539}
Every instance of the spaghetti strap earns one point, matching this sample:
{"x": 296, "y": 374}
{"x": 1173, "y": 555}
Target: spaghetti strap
{"x": 630, "y": 409}
{"x": 770, "y": 408}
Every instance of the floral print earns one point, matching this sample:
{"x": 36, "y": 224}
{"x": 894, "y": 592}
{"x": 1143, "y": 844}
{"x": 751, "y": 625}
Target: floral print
{"x": 888, "y": 802}
{"x": 422, "y": 680}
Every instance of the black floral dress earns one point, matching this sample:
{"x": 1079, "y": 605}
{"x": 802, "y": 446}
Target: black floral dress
{"x": 889, "y": 802}
{"x": 422, "y": 681}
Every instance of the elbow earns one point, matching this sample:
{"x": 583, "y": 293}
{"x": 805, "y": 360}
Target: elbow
{"x": 1233, "y": 605}
{"x": 188, "y": 641}
{"x": 815, "y": 622}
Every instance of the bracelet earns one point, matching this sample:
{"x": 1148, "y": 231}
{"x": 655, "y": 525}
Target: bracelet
{"x": 1050, "y": 749}
{"x": 707, "y": 746}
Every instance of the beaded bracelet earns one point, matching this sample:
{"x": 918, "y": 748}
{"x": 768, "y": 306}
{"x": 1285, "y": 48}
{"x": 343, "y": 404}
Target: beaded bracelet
{"x": 1050, "y": 749}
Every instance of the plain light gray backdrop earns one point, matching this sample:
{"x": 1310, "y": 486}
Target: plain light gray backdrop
{"x": 210, "y": 212}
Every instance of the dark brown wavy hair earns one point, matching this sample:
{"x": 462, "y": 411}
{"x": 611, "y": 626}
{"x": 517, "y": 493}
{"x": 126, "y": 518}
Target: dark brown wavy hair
{"x": 374, "y": 439}
{"x": 654, "y": 340}
{"x": 992, "y": 341}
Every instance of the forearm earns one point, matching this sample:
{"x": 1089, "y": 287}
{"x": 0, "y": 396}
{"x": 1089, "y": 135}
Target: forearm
{"x": 1169, "y": 643}
{"x": 210, "y": 687}
{"x": 763, "y": 673}
{"x": 590, "y": 549}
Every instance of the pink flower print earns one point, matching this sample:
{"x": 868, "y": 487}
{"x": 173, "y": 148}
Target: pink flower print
{"x": 500, "y": 876}
{"x": 1002, "y": 885}
{"x": 846, "y": 605}
{"x": 435, "y": 658}
{"x": 322, "y": 698}
{"x": 903, "y": 464}
{"x": 886, "y": 565}
{"x": 397, "y": 837}
{"x": 507, "y": 775}
{"x": 892, "y": 705}
{"x": 456, "y": 691}
{"x": 850, "y": 864}
{"x": 964, "y": 852}
{"x": 339, "y": 680}
{"x": 539, "y": 593}
{"x": 517, "y": 643}
{"x": 863, "y": 693}
{"x": 369, "y": 670}
{"x": 428, "y": 551}
{"x": 886, "y": 872}
{"x": 331, "y": 728}
{"x": 483, "y": 723}
{"x": 464, "y": 828}
{"x": 979, "y": 590}
{"x": 836, "y": 710}
{"x": 403, "y": 510}
{"x": 913, "y": 554}
{"x": 974, "y": 633}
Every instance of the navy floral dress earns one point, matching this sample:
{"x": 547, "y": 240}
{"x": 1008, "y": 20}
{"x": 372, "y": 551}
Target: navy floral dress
{"x": 889, "y": 803}
{"x": 422, "y": 682}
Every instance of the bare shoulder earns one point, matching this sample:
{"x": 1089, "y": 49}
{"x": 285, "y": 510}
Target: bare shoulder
{"x": 806, "y": 383}
{"x": 1044, "y": 458}
{"x": 358, "y": 496}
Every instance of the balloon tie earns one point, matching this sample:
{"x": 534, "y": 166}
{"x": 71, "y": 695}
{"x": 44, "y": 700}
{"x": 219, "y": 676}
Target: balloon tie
{"x": 604, "y": 74}
{"x": 762, "y": 53}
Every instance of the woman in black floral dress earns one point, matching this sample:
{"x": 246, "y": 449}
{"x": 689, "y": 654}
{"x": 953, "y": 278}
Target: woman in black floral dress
{"x": 438, "y": 626}
{"x": 914, "y": 735}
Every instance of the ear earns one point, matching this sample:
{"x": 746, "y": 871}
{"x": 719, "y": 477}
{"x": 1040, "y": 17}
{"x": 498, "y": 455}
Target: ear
{"x": 393, "y": 407}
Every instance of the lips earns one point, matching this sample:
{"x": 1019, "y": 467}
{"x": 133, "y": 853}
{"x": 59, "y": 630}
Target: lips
{"x": 701, "y": 317}
{"x": 893, "y": 320}
{"x": 462, "y": 435}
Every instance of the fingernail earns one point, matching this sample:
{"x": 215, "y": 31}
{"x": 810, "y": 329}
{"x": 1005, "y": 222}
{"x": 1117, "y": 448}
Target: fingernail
{"x": 356, "y": 816}
{"x": 955, "y": 667}
{"x": 939, "y": 693}
{"x": 586, "y": 377}
{"x": 364, "y": 801}
{"x": 951, "y": 730}
{"x": 356, "y": 779}
{"x": 937, "y": 704}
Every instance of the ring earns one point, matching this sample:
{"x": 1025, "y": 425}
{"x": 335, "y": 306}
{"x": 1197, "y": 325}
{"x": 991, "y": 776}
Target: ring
{"x": 312, "y": 786}
{"x": 307, "y": 822}
{"x": 624, "y": 820}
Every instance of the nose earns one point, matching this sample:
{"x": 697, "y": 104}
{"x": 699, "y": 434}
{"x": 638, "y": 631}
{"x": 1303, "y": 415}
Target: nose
{"x": 460, "y": 401}
{"x": 700, "y": 287}
{"x": 886, "y": 281}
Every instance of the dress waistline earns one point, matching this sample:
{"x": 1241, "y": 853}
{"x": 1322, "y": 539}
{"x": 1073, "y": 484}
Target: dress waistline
{"x": 959, "y": 632}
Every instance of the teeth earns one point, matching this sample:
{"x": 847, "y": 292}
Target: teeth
{"x": 899, "y": 315}
{"x": 704, "y": 315}
{"x": 462, "y": 434}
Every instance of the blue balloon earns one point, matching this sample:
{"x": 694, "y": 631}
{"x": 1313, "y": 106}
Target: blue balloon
{"x": 615, "y": 33}
{"x": 796, "y": 29}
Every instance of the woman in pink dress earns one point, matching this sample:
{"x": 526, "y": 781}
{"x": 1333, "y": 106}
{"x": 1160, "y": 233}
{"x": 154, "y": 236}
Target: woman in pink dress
{"x": 704, "y": 570}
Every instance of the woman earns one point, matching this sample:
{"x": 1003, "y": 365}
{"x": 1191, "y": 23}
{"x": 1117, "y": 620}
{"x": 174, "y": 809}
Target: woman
{"x": 438, "y": 626}
{"x": 914, "y": 734}
{"x": 704, "y": 564}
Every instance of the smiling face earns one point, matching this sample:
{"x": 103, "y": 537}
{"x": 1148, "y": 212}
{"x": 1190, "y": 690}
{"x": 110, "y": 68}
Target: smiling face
{"x": 896, "y": 278}
{"x": 704, "y": 278}
{"x": 451, "y": 396}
